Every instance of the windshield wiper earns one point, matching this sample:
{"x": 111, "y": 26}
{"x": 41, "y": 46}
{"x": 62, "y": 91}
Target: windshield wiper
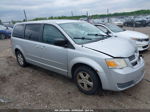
{"x": 98, "y": 35}
{"x": 82, "y": 38}
{"x": 102, "y": 38}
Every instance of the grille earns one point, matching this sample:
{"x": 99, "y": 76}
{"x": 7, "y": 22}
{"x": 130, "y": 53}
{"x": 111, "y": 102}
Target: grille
{"x": 145, "y": 46}
{"x": 131, "y": 58}
{"x": 134, "y": 59}
{"x": 134, "y": 63}
{"x": 146, "y": 39}
{"x": 143, "y": 39}
{"x": 126, "y": 84}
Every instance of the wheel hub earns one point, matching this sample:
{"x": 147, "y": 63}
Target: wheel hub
{"x": 84, "y": 80}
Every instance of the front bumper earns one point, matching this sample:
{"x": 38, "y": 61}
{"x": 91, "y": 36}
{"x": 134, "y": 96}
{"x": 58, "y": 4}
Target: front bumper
{"x": 142, "y": 45}
{"x": 122, "y": 79}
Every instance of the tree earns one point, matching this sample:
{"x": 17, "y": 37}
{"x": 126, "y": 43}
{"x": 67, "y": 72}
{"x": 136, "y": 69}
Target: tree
{"x": 13, "y": 22}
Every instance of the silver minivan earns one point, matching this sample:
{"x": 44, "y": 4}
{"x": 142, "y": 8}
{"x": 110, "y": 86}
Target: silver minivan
{"x": 81, "y": 51}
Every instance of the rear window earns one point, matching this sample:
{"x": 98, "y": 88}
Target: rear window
{"x": 33, "y": 32}
{"x": 18, "y": 31}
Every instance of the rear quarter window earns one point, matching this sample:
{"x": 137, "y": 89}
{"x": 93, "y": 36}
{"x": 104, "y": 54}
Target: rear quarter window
{"x": 18, "y": 31}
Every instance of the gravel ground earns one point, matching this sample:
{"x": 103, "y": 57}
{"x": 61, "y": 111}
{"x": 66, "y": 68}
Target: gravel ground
{"x": 34, "y": 87}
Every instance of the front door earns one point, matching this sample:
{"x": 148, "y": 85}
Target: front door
{"x": 53, "y": 56}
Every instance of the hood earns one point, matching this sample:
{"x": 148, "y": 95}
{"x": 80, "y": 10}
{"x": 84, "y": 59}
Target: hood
{"x": 130, "y": 34}
{"x": 115, "y": 47}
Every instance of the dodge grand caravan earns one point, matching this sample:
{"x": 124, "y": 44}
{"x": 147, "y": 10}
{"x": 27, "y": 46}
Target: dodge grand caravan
{"x": 80, "y": 51}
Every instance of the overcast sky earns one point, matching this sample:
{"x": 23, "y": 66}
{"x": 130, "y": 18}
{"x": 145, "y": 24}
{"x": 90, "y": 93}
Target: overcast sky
{"x": 13, "y": 9}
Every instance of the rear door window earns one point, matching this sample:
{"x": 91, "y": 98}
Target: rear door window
{"x": 33, "y": 32}
{"x": 18, "y": 31}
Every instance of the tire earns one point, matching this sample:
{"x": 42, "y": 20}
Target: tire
{"x": 2, "y": 36}
{"x": 87, "y": 80}
{"x": 20, "y": 59}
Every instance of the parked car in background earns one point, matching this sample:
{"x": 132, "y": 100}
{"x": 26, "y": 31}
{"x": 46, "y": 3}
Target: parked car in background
{"x": 135, "y": 23}
{"x": 142, "y": 40}
{"x": 81, "y": 51}
{"x": 118, "y": 23}
{"x": 148, "y": 22}
{"x": 5, "y": 32}
{"x": 9, "y": 25}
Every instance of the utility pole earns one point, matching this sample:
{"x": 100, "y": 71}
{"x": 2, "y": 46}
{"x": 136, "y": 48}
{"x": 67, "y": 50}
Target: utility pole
{"x": 108, "y": 16}
{"x": 133, "y": 23}
{"x": 25, "y": 15}
{"x": 88, "y": 18}
{"x": 72, "y": 13}
{"x": 87, "y": 13}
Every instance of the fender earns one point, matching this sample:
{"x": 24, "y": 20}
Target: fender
{"x": 86, "y": 61}
{"x": 19, "y": 48}
{"x": 93, "y": 64}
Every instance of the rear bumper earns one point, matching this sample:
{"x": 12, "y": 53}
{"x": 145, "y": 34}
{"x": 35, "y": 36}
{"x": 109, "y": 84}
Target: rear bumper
{"x": 122, "y": 79}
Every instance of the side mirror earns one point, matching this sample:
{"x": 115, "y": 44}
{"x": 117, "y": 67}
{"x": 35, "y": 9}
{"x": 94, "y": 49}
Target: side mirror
{"x": 61, "y": 42}
{"x": 108, "y": 32}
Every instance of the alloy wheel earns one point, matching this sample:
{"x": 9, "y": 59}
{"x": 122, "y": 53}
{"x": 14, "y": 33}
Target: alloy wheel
{"x": 20, "y": 59}
{"x": 84, "y": 81}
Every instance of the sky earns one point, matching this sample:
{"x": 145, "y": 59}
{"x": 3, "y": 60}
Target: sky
{"x": 13, "y": 9}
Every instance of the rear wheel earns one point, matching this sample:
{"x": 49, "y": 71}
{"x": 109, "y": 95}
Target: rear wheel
{"x": 2, "y": 36}
{"x": 20, "y": 59}
{"x": 87, "y": 80}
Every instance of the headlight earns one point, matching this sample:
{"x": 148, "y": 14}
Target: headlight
{"x": 116, "y": 63}
{"x": 133, "y": 38}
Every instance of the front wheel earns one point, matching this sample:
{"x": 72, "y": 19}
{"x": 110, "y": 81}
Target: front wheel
{"x": 87, "y": 80}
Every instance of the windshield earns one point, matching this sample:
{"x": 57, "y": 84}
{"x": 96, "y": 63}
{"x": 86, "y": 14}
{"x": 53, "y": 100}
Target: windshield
{"x": 114, "y": 28}
{"x": 82, "y": 32}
